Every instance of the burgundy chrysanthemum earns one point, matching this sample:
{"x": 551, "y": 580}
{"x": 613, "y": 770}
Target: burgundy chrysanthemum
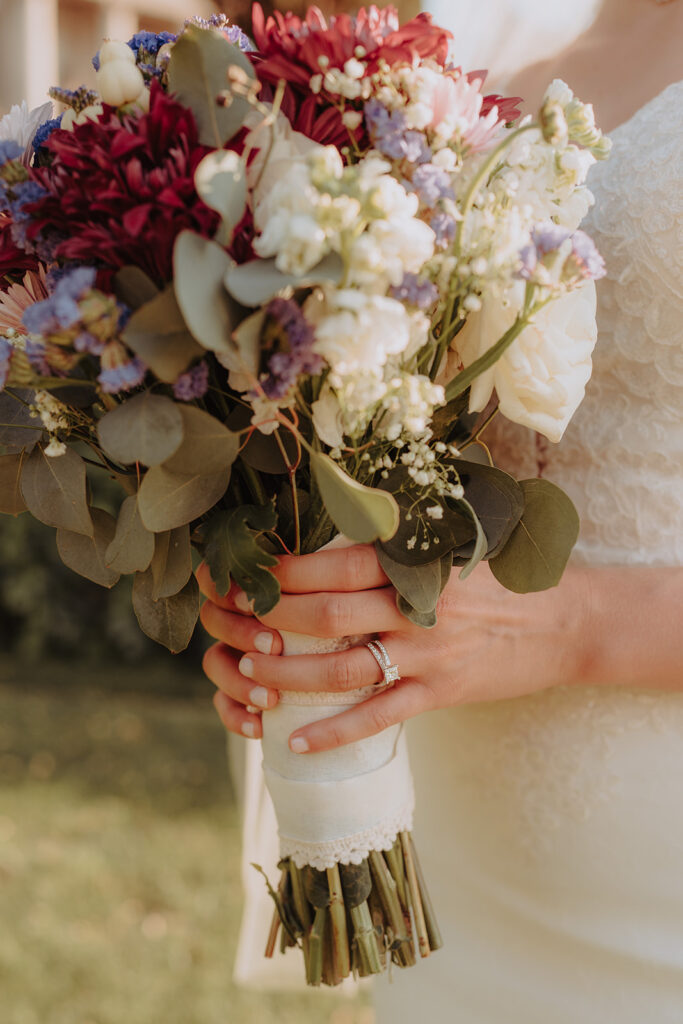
{"x": 120, "y": 189}
{"x": 13, "y": 260}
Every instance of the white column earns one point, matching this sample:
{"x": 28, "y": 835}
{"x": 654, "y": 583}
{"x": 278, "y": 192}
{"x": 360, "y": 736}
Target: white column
{"x": 32, "y": 59}
{"x": 118, "y": 21}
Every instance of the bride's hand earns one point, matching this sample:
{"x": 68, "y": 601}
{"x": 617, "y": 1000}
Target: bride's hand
{"x": 489, "y": 644}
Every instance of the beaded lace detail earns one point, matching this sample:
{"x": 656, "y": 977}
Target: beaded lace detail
{"x": 351, "y": 849}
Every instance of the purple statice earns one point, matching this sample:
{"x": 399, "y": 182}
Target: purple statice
{"x": 123, "y": 377}
{"x": 233, "y": 33}
{"x": 285, "y": 366}
{"x": 10, "y": 150}
{"x": 44, "y": 131}
{"x": 443, "y": 225}
{"x": 391, "y": 136}
{"x": 87, "y": 342}
{"x": 25, "y": 193}
{"x": 432, "y": 184}
{"x": 143, "y": 44}
{"x": 415, "y": 292}
{"x": 586, "y": 258}
{"x": 61, "y": 309}
{"x": 6, "y": 352}
{"x": 193, "y": 384}
{"x": 36, "y": 353}
{"x": 583, "y": 259}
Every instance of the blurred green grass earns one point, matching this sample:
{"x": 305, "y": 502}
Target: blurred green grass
{"x": 119, "y": 861}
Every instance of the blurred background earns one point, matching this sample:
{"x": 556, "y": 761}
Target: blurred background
{"x": 119, "y": 834}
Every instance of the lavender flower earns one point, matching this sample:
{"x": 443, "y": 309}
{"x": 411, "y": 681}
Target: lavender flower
{"x": 36, "y": 353}
{"x": 123, "y": 377}
{"x": 443, "y": 226}
{"x": 193, "y": 384}
{"x": 585, "y": 257}
{"x": 6, "y": 352}
{"x": 432, "y": 184}
{"x": 390, "y": 135}
{"x": 25, "y": 192}
{"x": 9, "y": 150}
{"x": 61, "y": 309}
{"x": 415, "y": 292}
{"x": 583, "y": 261}
{"x": 87, "y": 342}
{"x": 286, "y": 366}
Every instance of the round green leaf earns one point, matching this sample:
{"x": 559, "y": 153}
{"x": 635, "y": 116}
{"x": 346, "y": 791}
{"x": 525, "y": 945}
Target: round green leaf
{"x": 134, "y": 287}
{"x": 18, "y": 428}
{"x": 199, "y": 266}
{"x": 132, "y": 548}
{"x": 362, "y": 514}
{"x": 168, "y": 500}
{"x": 158, "y": 334}
{"x": 172, "y": 562}
{"x": 11, "y": 499}
{"x": 169, "y": 621}
{"x": 257, "y": 282}
{"x": 87, "y": 555}
{"x": 208, "y": 447}
{"x": 221, "y": 181}
{"x": 147, "y": 428}
{"x": 536, "y": 554}
{"x": 54, "y": 490}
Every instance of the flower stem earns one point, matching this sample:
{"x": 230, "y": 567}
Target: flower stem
{"x": 415, "y": 899}
{"x": 433, "y": 932}
{"x": 365, "y": 940}
{"x": 316, "y": 938}
{"x": 339, "y": 932}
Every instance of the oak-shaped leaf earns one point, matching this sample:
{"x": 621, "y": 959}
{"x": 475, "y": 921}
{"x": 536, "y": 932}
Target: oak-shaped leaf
{"x": 232, "y": 551}
{"x": 170, "y": 621}
{"x": 198, "y": 71}
{"x": 54, "y": 489}
{"x": 147, "y": 428}
{"x": 11, "y": 499}
{"x": 363, "y": 514}
{"x": 199, "y": 267}
{"x": 158, "y": 334}
{"x": 172, "y": 562}
{"x": 88, "y": 555}
{"x": 537, "y": 552}
{"x": 132, "y": 546}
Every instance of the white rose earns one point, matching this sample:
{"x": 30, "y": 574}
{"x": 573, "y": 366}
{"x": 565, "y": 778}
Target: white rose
{"x": 540, "y": 380}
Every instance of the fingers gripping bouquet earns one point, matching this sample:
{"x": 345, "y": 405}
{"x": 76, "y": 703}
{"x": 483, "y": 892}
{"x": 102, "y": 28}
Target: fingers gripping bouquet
{"x": 271, "y": 288}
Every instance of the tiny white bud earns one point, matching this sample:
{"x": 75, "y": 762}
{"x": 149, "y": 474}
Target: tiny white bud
{"x": 119, "y": 82}
{"x": 114, "y": 49}
{"x": 351, "y": 119}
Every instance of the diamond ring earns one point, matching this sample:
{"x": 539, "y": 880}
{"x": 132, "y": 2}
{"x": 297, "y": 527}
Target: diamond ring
{"x": 390, "y": 672}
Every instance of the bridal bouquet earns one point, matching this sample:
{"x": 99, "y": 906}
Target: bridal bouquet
{"x": 271, "y": 289}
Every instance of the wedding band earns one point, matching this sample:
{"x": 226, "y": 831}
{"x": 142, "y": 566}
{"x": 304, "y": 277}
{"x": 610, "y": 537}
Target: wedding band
{"x": 389, "y": 671}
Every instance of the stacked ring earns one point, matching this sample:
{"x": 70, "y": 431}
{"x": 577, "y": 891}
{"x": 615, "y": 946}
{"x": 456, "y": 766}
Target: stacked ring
{"x": 389, "y": 671}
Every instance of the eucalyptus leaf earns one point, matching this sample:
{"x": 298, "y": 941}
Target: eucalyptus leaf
{"x": 132, "y": 547}
{"x": 426, "y": 620}
{"x": 18, "y": 428}
{"x": 54, "y": 490}
{"x": 133, "y": 287}
{"x": 257, "y": 282}
{"x": 244, "y": 358}
{"x": 199, "y": 267}
{"x": 419, "y": 585}
{"x": 172, "y": 562}
{"x": 420, "y": 538}
{"x": 11, "y": 499}
{"x": 232, "y": 551}
{"x": 221, "y": 181}
{"x": 536, "y": 554}
{"x": 87, "y": 555}
{"x": 147, "y": 428}
{"x": 168, "y": 499}
{"x": 262, "y": 451}
{"x": 480, "y": 543}
{"x": 198, "y": 72}
{"x": 158, "y": 334}
{"x": 497, "y": 500}
{"x": 169, "y": 621}
{"x": 363, "y": 514}
{"x": 207, "y": 447}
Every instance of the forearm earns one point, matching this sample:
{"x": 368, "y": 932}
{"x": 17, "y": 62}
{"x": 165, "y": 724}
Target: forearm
{"x": 633, "y": 627}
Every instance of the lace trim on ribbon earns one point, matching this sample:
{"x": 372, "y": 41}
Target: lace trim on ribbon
{"x": 351, "y": 849}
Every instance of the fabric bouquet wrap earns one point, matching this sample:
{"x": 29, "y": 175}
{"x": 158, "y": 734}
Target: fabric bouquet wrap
{"x": 261, "y": 291}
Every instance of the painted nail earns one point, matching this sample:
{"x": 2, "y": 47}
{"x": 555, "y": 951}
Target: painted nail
{"x": 242, "y": 602}
{"x": 246, "y": 667}
{"x": 259, "y": 696}
{"x": 249, "y": 730}
{"x": 299, "y": 745}
{"x": 263, "y": 642}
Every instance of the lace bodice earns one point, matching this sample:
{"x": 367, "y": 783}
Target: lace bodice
{"x": 621, "y": 459}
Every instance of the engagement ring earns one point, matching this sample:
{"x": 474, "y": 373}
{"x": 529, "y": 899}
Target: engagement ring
{"x": 390, "y": 672}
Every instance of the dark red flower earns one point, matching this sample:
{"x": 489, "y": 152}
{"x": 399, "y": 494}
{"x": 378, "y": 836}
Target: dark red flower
{"x": 508, "y": 106}
{"x": 13, "y": 261}
{"x": 120, "y": 189}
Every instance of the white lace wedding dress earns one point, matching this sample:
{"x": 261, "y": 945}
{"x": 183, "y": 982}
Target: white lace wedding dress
{"x": 551, "y": 826}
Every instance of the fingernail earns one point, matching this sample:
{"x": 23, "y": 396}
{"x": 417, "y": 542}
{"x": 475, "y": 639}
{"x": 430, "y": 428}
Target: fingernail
{"x": 263, "y": 642}
{"x": 246, "y": 667}
{"x": 298, "y": 745}
{"x": 259, "y": 696}
{"x": 242, "y": 601}
{"x": 249, "y": 730}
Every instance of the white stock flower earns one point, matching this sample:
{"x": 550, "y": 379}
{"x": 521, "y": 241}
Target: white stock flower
{"x": 540, "y": 380}
{"x": 358, "y": 332}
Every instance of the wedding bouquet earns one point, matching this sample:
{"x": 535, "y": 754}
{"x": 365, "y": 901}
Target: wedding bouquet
{"x": 270, "y": 288}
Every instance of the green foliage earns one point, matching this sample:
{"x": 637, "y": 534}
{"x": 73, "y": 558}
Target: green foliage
{"x": 537, "y": 552}
{"x": 17, "y": 427}
{"x": 87, "y": 555}
{"x": 198, "y": 72}
{"x": 54, "y": 490}
{"x": 221, "y": 181}
{"x": 133, "y": 287}
{"x": 257, "y": 282}
{"x": 497, "y": 501}
{"x": 172, "y": 562}
{"x": 132, "y": 548}
{"x": 480, "y": 543}
{"x": 363, "y": 514}
{"x": 170, "y": 621}
{"x": 158, "y": 334}
{"x": 11, "y": 499}
{"x": 418, "y": 587}
{"x": 232, "y": 551}
{"x": 147, "y": 428}
{"x": 200, "y": 266}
